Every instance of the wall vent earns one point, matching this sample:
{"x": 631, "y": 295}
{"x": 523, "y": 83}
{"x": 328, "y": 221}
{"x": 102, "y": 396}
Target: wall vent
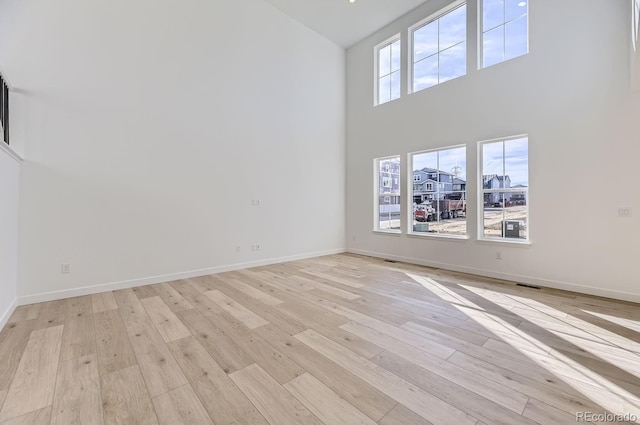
{"x": 527, "y": 286}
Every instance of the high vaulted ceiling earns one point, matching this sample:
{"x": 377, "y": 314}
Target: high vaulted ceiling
{"x": 343, "y": 22}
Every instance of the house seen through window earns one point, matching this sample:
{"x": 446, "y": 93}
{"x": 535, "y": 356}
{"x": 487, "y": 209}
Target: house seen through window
{"x": 387, "y": 197}
{"x": 439, "y": 193}
{"x": 505, "y": 189}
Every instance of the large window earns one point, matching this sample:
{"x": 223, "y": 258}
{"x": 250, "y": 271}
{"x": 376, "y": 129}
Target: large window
{"x": 439, "y": 193}
{"x": 439, "y": 48}
{"x": 387, "y": 194}
{"x": 505, "y": 30}
{"x": 388, "y": 70}
{"x": 504, "y": 180}
{"x": 4, "y": 111}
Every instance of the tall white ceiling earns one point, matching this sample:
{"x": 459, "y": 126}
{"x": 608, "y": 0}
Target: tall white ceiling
{"x": 343, "y": 22}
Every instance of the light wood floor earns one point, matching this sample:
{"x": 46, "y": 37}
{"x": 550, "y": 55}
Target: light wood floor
{"x": 341, "y": 339}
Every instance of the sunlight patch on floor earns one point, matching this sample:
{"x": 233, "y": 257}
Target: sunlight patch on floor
{"x": 592, "y": 385}
{"x": 441, "y": 291}
{"x": 627, "y": 323}
{"x": 600, "y": 343}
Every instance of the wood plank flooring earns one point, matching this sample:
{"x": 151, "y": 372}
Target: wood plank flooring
{"x": 340, "y": 339}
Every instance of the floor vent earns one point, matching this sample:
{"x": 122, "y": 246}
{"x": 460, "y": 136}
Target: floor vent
{"x": 527, "y": 286}
{"x": 390, "y": 261}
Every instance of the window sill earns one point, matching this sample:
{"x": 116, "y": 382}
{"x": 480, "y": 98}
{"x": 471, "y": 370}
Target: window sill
{"x": 388, "y": 232}
{"x": 454, "y": 238}
{"x": 5, "y": 148}
{"x": 517, "y": 243}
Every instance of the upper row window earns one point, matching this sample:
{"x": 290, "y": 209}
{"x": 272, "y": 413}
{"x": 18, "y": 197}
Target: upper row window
{"x": 439, "y": 46}
{"x": 388, "y": 84}
{"x": 504, "y": 30}
{"x": 439, "y": 49}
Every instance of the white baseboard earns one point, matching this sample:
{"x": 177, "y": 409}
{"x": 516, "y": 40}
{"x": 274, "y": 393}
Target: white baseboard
{"x": 88, "y": 290}
{"x": 4, "y": 317}
{"x": 529, "y": 280}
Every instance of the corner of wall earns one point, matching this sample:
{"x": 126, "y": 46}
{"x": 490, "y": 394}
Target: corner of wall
{"x": 4, "y": 316}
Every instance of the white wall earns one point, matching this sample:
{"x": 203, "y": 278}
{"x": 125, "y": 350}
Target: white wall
{"x": 150, "y": 127}
{"x": 572, "y": 95}
{"x": 9, "y": 183}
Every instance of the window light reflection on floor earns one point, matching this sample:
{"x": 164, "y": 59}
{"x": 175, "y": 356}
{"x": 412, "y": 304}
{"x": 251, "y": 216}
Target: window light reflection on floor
{"x": 623, "y": 352}
{"x": 614, "y": 398}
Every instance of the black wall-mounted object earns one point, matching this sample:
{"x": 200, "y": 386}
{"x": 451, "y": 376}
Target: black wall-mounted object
{"x": 4, "y": 108}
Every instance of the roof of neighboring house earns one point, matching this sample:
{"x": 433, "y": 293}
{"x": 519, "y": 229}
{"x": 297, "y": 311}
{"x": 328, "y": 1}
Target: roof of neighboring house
{"x": 457, "y": 180}
{"x": 488, "y": 177}
{"x": 432, "y": 170}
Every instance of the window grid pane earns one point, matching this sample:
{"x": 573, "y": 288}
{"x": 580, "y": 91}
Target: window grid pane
{"x": 425, "y": 41}
{"x": 384, "y": 89}
{"x": 395, "y": 56}
{"x": 453, "y": 62}
{"x": 452, "y": 28}
{"x": 425, "y": 73}
{"x": 384, "y": 64}
{"x": 493, "y": 46}
{"x": 514, "y": 9}
{"x": 492, "y": 14}
{"x": 515, "y": 37}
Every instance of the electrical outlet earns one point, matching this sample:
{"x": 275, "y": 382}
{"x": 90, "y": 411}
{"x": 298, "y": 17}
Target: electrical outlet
{"x": 498, "y": 255}
{"x": 255, "y": 202}
{"x": 624, "y": 212}
{"x": 255, "y": 247}
{"x": 65, "y": 268}
{"x": 238, "y": 248}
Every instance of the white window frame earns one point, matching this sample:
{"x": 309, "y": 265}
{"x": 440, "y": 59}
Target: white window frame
{"x": 481, "y": 32}
{"x": 430, "y": 188}
{"x": 377, "y": 194}
{"x": 635, "y": 23}
{"x": 376, "y": 69}
{"x": 482, "y": 191}
{"x": 426, "y": 21}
